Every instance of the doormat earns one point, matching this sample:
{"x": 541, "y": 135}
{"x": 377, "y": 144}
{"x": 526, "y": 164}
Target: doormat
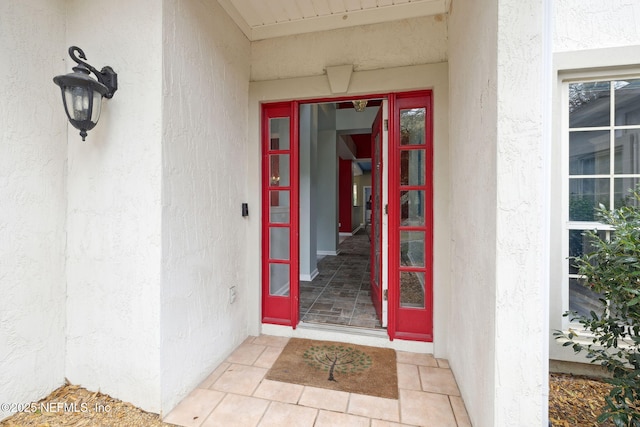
{"x": 338, "y": 366}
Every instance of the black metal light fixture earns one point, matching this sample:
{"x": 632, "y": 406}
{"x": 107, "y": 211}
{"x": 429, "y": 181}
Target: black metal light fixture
{"x": 82, "y": 95}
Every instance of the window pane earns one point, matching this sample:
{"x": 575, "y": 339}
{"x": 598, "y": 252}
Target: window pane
{"x": 585, "y": 194}
{"x": 279, "y": 243}
{"x": 412, "y": 126}
{"x": 627, "y": 151}
{"x": 412, "y": 208}
{"x": 589, "y": 104}
{"x": 279, "y": 170}
{"x": 589, "y": 153}
{"x": 411, "y": 289}
{"x": 623, "y": 195}
{"x": 279, "y": 279}
{"x": 582, "y": 299}
{"x": 579, "y": 244}
{"x": 627, "y": 94}
{"x": 412, "y": 169}
{"x": 279, "y": 133}
{"x": 279, "y": 208}
{"x": 412, "y": 248}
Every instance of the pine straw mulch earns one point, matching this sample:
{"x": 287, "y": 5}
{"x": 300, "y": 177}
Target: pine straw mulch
{"x": 576, "y": 400}
{"x": 83, "y": 408}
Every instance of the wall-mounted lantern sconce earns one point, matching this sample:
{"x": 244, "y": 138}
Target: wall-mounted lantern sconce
{"x": 82, "y": 95}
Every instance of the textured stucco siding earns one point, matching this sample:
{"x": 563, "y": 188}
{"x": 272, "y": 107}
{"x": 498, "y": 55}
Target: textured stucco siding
{"x": 114, "y": 178}
{"x": 473, "y": 145}
{"x": 204, "y": 161}
{"x": 394, "y": 44}
{"x": 32, "y": 201}
{"x": 592, "y": 24}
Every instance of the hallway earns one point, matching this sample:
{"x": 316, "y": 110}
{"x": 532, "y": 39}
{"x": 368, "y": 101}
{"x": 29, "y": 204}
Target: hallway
{"x": 340, "y": 294}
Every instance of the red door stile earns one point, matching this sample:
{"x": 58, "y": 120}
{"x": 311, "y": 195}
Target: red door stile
{"x": 411, "y": 217}
{"x": 280, "y": 270}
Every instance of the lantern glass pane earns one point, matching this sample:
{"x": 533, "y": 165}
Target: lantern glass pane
{"x": 77, "y": 100}
{"x": 97, "y": 104}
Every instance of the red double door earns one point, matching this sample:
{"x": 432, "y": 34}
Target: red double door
{"x": 402, "y": 215}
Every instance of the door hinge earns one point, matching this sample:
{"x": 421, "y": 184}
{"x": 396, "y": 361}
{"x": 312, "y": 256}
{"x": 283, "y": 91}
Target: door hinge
{"x": 386, "y": 209}
{"x": 385, "y": 294}
{"x": 386, "y": 124}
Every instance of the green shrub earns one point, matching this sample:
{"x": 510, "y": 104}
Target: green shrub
{"x": 613, "y": 271}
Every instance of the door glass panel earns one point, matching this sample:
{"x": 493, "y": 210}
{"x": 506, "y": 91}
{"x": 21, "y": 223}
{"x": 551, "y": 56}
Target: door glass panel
{"x": 377, "y": 211}
{"x": 279, "y": 243}
{"x": 585, "y": 195}
{"x": 279, "y": 279}
{"x": 412, "y": 167}
{"x": 589, "y": 153}
{"x": 589, "y": 104}
{"x": 279, "y": 133}
{"x": 627, "y": 157}
{"x": 412, "y": 204}
{"x": 279, "y": 170}
{"x": 279, "y": 209}
{"x": 411, "y": 289}
{"x": 627, "y": 95}
{"x": 412, "y": 126}
{"x": 412, "y": 248}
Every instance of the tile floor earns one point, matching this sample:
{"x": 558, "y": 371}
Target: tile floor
{"x": 236, "y": 394}
{"x": 340, "y": 294}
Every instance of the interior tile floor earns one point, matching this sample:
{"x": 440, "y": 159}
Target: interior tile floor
{"x": 236, "y": 394}
{"x": 340, "y": 294}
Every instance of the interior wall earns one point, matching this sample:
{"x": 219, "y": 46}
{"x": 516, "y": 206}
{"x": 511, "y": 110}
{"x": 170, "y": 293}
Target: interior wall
{"x": 473, "y": 153}
{"x": 308, "y": 186}
{"x": 33, "y": 194}
{"x": 113, "y": 240}
{"x": 204, "y": 169}
{"x": 327, "y": 206}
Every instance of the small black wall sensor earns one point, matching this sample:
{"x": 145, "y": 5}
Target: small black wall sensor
{"x": 245, "y": 209}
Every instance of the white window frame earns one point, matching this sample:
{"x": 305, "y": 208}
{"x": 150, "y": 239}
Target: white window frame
{"x": 565, "y": 79}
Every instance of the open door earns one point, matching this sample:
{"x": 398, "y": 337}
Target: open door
{"x": 377, "y": 292}
{"x": 280, "y": 290}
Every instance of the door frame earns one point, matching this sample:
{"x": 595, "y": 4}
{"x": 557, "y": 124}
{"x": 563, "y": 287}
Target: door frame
{"x": 392, "y": 303}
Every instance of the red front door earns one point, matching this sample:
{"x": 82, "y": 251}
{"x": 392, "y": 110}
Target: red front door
{"x": 280, "y": 214}
{"x": 376, "y": 214}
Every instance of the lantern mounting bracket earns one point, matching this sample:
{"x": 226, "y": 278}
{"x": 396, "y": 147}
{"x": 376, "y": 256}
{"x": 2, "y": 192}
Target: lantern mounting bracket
{"x": 106, "y": 76}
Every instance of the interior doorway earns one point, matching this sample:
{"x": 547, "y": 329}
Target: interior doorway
{"x": 337, "y": 227}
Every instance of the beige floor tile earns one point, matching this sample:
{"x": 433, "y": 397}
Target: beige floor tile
{"x": 335, "y": 419}
{"x": 284, "y": 415}
{"x": 408, "y": 377}
{"x": 438, "y": 380}
{"x": 271, "y": 341}
{"x": 459, "y": 411}
{"x": 279, "y": 391}
{"x": 237, "y": 411}
{"x": 246, "y": 354}
{"x": 374, "y": 407}
{"x": 382, "y": 423}
{"x": 324, "y": 399}
{"x": 194, "y": 408}
{"x": 422, "y": 359}
{"x": 240, "y": 379}
{"x": 425, "y": 409}
{"x": 213, "y": 377}
{"x": 268, "y": 357}
{"x": 443, "y": 363}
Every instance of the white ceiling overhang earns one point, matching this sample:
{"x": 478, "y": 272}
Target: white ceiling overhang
{"x": 263, "y": 19}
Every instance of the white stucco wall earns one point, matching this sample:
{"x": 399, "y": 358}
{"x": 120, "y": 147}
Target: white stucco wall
{"x": 498, "y": 324}
{"x": 473, "y": 145}
{"x": 32, "y": 200}
{"x": 591, "y": 24}
{"x": 113, "y": 242}
{"x": 204, "y": 162}
{"x": 393, "y": 44}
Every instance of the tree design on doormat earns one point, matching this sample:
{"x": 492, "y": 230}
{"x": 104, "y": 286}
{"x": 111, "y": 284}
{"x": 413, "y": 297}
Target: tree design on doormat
{"x": 337, "y": 359}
